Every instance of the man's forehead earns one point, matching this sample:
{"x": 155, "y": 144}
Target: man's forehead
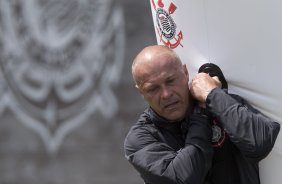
{"x": 147, "y": 66}
{"x": 158, "y": 78}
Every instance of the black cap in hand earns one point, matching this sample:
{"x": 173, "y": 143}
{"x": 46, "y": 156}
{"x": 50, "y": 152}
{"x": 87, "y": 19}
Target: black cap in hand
{"x": 214, "y": 70}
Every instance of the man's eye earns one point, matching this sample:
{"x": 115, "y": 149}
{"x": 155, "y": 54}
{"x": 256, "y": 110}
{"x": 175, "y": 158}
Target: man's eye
{"x": 170, "y": 81}
{"x": 152, "y": 90}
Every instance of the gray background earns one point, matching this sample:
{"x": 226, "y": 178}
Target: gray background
{"x": 93, "y": 151}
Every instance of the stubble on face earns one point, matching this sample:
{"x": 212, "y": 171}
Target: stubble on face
{"x": 163, "y": 81}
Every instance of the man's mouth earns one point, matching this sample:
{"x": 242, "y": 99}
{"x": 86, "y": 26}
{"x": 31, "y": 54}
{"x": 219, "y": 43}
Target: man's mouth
{"x": 171, "y": 105}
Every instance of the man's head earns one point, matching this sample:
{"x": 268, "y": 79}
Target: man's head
{"x": 163, "y": 81}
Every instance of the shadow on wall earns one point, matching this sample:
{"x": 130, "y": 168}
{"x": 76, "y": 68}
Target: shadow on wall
{"x": 67, "y": 98}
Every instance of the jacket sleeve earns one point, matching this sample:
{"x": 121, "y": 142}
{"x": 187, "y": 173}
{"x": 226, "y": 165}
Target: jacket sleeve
{"x": 158, "y": 163}
{"x": 253, "y": 133}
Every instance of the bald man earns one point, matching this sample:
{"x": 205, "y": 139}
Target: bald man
{"x": 167, "y": 146}
{"x": 172, "y": 141}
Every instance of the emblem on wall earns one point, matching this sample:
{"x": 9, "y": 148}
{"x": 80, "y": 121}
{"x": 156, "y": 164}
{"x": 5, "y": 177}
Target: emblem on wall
{"x": 166, "y": 27}
{"x": 59, "y": 61}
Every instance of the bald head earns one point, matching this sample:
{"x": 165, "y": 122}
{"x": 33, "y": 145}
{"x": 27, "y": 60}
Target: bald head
{"x": 151, "y": 58}
{"x": 162, "y": 80}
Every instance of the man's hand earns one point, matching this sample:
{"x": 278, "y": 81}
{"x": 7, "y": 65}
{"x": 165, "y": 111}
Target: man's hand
{"x": 201, "y": 86}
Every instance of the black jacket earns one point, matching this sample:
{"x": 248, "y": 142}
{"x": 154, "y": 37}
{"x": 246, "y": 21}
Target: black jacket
{"x": 250, "y": 138}
{"x": 181, "y": 153}
{"x": 169, "y": 153}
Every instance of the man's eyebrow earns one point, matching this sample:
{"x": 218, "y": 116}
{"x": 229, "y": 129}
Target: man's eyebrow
{"x": 148, "y": 85}
{"x": 172, "y": 75}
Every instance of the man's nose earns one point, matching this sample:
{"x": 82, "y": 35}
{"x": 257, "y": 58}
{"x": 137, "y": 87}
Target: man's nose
{"x": 166, "y": 92}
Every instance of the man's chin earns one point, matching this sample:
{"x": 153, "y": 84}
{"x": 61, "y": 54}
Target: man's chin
{"x": 175, "y": 117}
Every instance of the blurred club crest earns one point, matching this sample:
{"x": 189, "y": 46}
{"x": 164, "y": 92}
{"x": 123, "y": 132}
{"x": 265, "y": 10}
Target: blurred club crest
{"x": 59, "y": 60}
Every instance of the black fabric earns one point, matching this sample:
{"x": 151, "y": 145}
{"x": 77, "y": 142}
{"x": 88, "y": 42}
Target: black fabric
{"x": 165, "y": 152}
{"x": 251, "y": 136}
{"x": 181, "y": 153}
{"x": 213, "y": 70}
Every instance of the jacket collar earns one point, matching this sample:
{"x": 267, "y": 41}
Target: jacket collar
{"x": 163, "y": 123}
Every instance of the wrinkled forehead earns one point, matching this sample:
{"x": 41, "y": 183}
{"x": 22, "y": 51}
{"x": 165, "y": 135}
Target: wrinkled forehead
{"x": 157, "y": 70}
{"x": 158, "y": 78}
